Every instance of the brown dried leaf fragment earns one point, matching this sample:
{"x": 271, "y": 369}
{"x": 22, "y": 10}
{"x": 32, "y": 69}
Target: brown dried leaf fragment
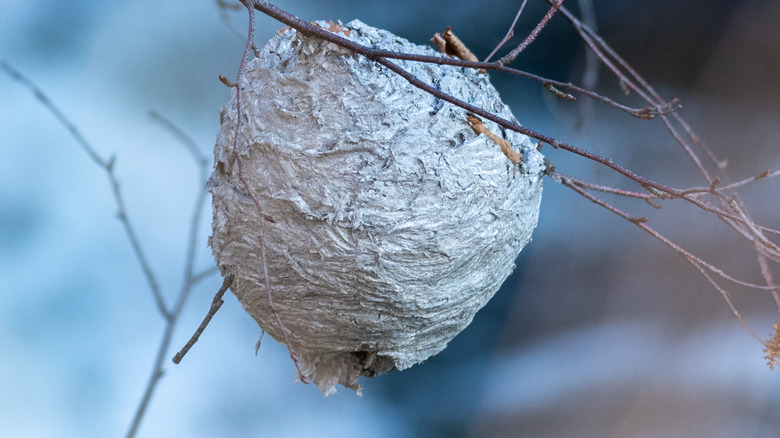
{"x": 333, "y": 27}
{"x": 506, "y": 147}
{"x": 456, "y": 46}
{"x": 772, "y": 347}
{"x": 227, "y": 81}
{"x": 450, "y": 44}
{"x": 336, "y": 28}
{"x": 440, "y": 42}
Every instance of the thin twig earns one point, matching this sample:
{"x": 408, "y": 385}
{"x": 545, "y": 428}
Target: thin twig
{"x": 215, "y": 305}
{"x": 307, "y": 28}
{"x": 170, "y": 316}
{"x": 641, "y": 223}
{"x": 590, "y": 74}
{"x": 641, "y": 86}
{"x": 658, "y": 107}
{"x": 734, "y": 185}
{"x": 510, "y": 58}
{"x": 108, "y": 168}
{"x": 509, "y": 33}
{"x": 611, "y": 190}
{"x": 765, "y": 272}
{"x": 200, "y": 159}
{"x": 190, "y": 278}
{"x": 381, "y": 57}
{"x": 726, "y": 296}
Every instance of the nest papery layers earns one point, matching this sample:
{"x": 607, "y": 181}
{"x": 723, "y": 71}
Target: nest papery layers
{"x": 395, "y": 222}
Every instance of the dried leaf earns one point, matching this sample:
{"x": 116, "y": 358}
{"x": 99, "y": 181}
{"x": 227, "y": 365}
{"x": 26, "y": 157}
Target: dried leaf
{"x": 506, "y": 147}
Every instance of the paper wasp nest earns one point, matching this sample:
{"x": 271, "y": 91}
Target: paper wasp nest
{"x": 395, "y": 222}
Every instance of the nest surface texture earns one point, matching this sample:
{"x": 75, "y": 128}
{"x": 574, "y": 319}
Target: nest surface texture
{"x": 394, "y": 222}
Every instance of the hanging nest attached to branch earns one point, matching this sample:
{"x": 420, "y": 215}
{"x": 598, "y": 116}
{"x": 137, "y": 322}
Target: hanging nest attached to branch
{"x": 394, "y": 222}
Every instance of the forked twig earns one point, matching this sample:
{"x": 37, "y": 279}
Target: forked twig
{"x": 107, "y": 165}
{"x": 510, "y": 58}
{"x": 191, "y": 279}
{"x": 509, "y": 34}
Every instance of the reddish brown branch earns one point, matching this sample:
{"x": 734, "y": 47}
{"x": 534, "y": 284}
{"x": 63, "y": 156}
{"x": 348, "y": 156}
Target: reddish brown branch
{"x": 310, "y": 29}
{"x": 611, "y": 190}
{"x": 510, "y": 58}
{"x": 630, "y": 79}
{"x": 510, "y": 33}
{"x": 728, "y": 209}
{"x": 641, "y": 223}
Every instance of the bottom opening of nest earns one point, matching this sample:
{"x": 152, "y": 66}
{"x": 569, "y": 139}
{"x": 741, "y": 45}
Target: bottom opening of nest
{"x": 372, "y": 364}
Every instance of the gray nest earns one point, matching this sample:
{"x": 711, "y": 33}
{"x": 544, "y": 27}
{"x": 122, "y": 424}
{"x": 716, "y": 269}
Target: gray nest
{"x": 395, "y": 222}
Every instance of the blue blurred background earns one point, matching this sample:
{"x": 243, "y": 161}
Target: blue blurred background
{"x": 600, "y": 331}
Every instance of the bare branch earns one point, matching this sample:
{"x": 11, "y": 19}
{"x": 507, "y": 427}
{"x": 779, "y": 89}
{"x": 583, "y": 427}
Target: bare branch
{"x": 509, "y": 34}
{"x": 186, "y": 140}
{"x": 108, "y": 168}
{"x": 729, "y": 209}
{"x": 190, "y": 279}
{"x": 590, "y": 74}
{"x": 215, "y": 305}
{"x": 641, "y": 223}
{"x": 510, "y": 58}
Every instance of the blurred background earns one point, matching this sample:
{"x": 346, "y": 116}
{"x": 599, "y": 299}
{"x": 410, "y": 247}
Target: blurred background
{"x": 601, "y": 331}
